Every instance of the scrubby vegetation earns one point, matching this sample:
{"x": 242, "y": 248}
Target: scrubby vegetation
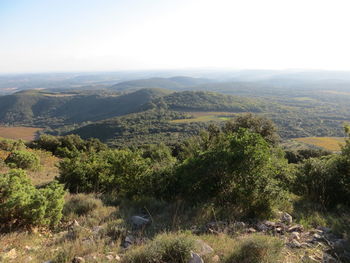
{"x": 22, "y": 205}
{"x": 23, "y": 160}
{"x": 162, "y": 203}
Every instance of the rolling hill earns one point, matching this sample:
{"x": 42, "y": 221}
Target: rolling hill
{"x": 173, "y": 83}
{"x": 43, "y": 108}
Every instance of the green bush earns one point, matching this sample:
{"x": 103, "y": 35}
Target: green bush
{"x": 175, "y": 248}
{"x": 257, "y": 249}
{"x": 23, "y": 160}
{"x": 81, "y": 204}
{"x": 120, "y": 171}
{"x": 11, "y": 145}
{"x": 240, "y": 170}
{"x": 67, "y": 146}
{"x": 21, "y": 204}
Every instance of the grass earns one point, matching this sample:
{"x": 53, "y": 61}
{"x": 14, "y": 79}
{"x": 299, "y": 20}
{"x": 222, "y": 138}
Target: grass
{"x": 19, "y": 132}
{"x": 206, "y": 116}
{"x": 256, "y": 249}
{"x": 167, "y": 247}
{"x": 328, "y": 143}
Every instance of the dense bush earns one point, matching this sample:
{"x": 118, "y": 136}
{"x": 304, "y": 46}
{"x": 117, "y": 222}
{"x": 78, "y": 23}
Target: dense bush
{"x": 121, "y": 171}
{"x": 241, "y": 170}
{"x": 11, "y": 145}
{"x": 175, "y": 248}
{"x": 23, "y": 160}
{"x": 67, "y": 146}
{"x": 21, "y": 204}
{"x": 257, "y": 249}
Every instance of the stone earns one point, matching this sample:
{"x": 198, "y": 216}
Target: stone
{"x": 251, "y": 230}
{"x": 216, "y": 258}
{"x": 75, "y": 224}
{"x": 117, "y": 258}
{"x": 204, "y": 248}
{"x": 128, "y": 241}
{"x": 294, "y": 244}
{"x": 295, "y": 235}
{"x": 262, "y": 227}
{"x": 269, "y": 224}
{"x": 139, "y": 221}
{"x": 195, "y": 258}
{"x": 78, "y": 260}
{"x": 317, "y": 237}
{"x": 296, "y": 228}
{"x": 109, "y": 257}
{"x": 287, "y": 218}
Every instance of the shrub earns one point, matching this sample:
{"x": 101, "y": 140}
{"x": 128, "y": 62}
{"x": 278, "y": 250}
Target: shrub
{"x": 241, "y": 170}
{"x": 23, "y": 160}
{"x": 175, "y": 248}
{"x": 325, "y": 180}
{"x": 257, "y": 249}
{"x": 11, "y": 145}
{"x": 21, "y": 204}
{"x": 81, "y": 204}
{"x": 119, "y": 171}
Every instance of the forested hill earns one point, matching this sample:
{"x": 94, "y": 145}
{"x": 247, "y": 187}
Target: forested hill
{"x": 207, "y": 101}
{"x": 173, "y": 83}
{"x": 157, "y": 124}
{"x": 43, "y": 108}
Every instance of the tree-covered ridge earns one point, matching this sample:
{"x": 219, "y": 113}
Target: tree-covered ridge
{"x": 207, "y": 101}
{"x": 54, "y": 109}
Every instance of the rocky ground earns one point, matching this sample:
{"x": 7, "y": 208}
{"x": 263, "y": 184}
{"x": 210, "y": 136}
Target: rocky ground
{"x": 300, "y": 245}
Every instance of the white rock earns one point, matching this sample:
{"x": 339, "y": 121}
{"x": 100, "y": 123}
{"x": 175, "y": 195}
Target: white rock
{"x": 139, "y": 221}
{"x": 204, "y": 248}
{"x": 287, "y": 218}
{"x": 295, "y": 235}
{"x": 195, "y": 258}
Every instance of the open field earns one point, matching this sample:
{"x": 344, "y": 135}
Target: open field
{"x": 328, "y": 143}
{"x": 20, "y": 132}
{"x": 204, "y": 116}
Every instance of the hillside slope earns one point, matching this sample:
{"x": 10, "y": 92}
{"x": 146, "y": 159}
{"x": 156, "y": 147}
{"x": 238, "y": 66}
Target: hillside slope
{"x": 53, "y": 109}
{"x": 173, "y": 83}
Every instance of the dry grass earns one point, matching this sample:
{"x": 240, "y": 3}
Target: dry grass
{"x": 206, "y": 116}
{"x": 328, "y": 143}
{"x": 48, "y": 167}
{"x": 20, "y": 132}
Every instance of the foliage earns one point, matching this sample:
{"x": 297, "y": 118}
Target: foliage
{"x": 119, "y": 171}
{"x": 240, "y": 170}
{"x": 257, "y": 249}
{"x": 67, "y": 146}
{"x": 327, "y": 179}
{"x": 23, "y": 160}
{"x": 174, "y": 248}
{"x": 255, "y": 124}
{"x": 80, "y": 205}
{"x": 11, "y": 145}
{"x": 21, "y": 204}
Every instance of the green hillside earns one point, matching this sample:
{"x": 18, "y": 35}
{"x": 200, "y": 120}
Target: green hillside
{"x": 174, "y": 83}
{"x": 42, "y": 108}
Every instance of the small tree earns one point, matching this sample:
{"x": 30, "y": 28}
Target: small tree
{"x": 21, "y": 204}
{"x": 23, "y": 160}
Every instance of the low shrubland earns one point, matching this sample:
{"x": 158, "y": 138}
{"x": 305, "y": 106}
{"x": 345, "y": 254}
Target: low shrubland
{"x": 236, "y": 172}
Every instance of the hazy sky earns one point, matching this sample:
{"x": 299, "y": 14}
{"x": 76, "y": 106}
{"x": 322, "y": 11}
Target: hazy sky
{"x": 87, "y": 35}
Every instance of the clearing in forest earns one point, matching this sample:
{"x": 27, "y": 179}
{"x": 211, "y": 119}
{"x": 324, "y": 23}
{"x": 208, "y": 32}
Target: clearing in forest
{"x": 328, "y": 143}
{"x": 204, "y": 116}
{"x": 19, "y": 132}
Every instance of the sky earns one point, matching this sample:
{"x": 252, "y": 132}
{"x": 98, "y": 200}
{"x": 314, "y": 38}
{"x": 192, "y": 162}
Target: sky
{"x": 108, "y": 35}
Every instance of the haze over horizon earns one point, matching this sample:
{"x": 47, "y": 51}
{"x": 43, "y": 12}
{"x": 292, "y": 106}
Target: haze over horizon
{"x": 91, "y": 35}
